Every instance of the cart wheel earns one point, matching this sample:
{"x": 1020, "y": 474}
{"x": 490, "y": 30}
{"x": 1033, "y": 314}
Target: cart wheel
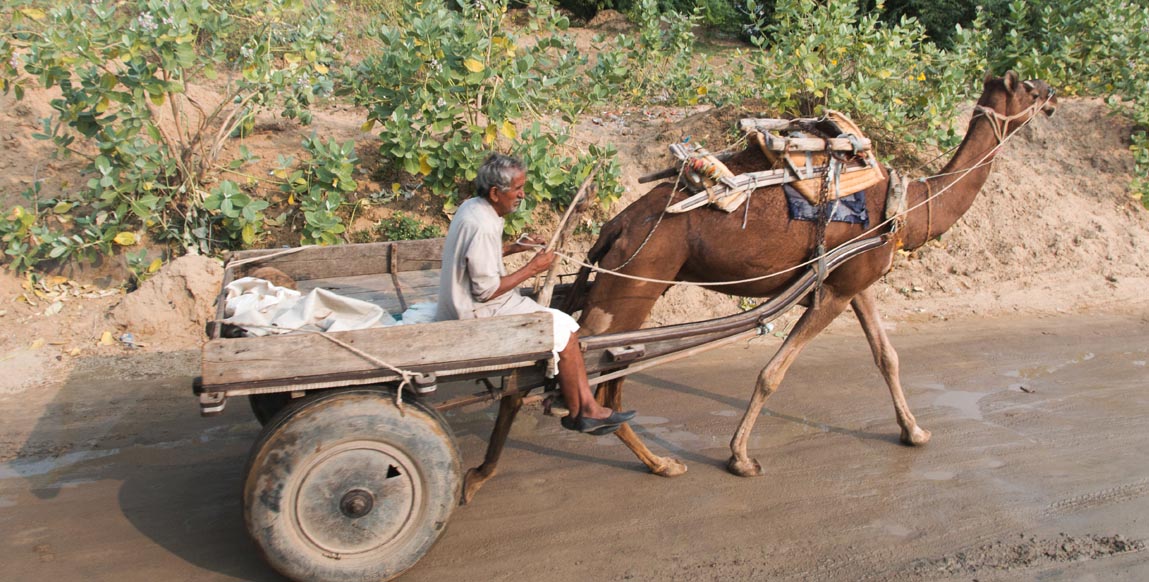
{"x": 346, "y": 488}
{"x": 264, "y": 406}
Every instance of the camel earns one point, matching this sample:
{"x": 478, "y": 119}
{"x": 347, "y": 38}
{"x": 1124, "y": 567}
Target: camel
{"x": 708, "y": 245}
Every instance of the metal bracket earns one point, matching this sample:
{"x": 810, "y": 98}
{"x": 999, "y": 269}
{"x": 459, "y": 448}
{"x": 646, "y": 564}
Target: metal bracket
{"x": 626, "y": 353}
{"x": 211, "y": 403}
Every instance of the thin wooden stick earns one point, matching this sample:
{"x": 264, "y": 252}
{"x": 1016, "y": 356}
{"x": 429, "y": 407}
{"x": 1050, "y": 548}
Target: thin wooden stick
{"x": 566, "y": 225}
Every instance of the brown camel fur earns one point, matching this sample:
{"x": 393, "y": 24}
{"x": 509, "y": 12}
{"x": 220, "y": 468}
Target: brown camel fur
{"x": 708, "y": 245}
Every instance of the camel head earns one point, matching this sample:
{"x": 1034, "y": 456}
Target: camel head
{"x": 1009, "y": 102}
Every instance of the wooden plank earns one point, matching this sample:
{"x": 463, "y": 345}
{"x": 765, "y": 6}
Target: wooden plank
{"x": 813, "y": 144}
{"x": 765, "y": 125}
{"x": 352, "y": 284}
{"x": 443, "y": 344}
{"x": 348, "y": 260}
{"x": 420, "y": 286}
{"x": 420, "y": 279}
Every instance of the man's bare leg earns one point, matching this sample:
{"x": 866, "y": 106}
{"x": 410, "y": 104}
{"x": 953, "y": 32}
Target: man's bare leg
{"x": 574, "y": 386}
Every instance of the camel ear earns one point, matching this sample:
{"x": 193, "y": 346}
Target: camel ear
{"x": 1010, "y": 79}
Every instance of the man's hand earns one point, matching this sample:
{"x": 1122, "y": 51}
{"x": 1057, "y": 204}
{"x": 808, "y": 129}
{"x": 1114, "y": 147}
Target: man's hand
{"x": 525, "y": 242}
{"x": 541, "y": 262}
{"x": 538, "y": 264}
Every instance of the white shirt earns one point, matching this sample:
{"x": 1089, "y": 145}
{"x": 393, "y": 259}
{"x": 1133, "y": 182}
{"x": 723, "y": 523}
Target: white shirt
{"x": 473, "y": 267}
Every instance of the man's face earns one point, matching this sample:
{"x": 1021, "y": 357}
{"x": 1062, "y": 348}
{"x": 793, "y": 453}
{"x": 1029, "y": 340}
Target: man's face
{"x": 506, "y": 201}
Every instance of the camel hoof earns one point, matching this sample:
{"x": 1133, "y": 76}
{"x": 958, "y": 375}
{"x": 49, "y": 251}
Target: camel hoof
{"x": 472, "y": 482}
{"x": 748, "y": 468}
{"x": 915, "y": 437}
{"x": 669, "y": 468}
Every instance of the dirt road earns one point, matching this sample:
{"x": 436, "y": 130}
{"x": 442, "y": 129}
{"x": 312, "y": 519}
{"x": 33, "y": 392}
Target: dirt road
{"x": 1038, "y": 469}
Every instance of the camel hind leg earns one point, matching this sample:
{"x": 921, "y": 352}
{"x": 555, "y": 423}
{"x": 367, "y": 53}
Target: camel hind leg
{"x": 887, "y": 360}
{"x": 610, "y": 395}
{"x": 809, "y": 325}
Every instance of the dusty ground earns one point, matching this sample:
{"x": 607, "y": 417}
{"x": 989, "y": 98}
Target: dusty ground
{"x": 1038, "y": 470}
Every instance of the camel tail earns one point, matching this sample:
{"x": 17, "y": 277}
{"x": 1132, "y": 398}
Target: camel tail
{"x": 576, "y": 299}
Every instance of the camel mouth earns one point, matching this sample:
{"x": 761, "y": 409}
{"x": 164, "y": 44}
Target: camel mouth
{"x": 1036, "y": 88}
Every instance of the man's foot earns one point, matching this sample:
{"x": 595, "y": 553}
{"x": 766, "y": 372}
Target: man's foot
{"x": 598, "y": 426}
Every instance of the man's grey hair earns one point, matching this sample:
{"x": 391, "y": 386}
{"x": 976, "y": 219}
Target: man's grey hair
{"x": 497, "y": 171}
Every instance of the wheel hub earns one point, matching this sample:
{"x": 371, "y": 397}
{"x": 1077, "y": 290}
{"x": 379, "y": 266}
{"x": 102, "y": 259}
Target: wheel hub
{"x": 358, "y": 497}
{"x": 356, "y": 503}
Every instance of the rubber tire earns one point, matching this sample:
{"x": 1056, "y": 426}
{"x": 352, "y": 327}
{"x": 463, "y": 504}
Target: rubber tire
{"x": 312, "y": 456}
{"x": 266, "y": 406}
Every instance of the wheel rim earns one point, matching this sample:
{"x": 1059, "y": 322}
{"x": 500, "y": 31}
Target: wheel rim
{"x": 357, "y": 497}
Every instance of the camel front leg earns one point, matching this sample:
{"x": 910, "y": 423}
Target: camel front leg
{"x": 609, "y": 394}
{"x": 809, "y": 325}
{"x": 887, "y": 360}
{"x": 508, "y": 407}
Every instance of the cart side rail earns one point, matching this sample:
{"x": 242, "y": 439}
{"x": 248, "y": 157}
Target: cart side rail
{"x": 304, "y": 358}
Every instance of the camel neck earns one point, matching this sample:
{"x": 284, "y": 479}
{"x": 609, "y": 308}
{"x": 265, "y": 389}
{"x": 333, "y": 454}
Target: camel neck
{"x": 953, "y": 190}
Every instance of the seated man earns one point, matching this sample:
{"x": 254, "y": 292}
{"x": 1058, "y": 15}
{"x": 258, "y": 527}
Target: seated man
{"x": 474, "y": 283}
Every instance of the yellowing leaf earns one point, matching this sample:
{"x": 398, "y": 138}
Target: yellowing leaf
{"x": 367, "y": 125}
{"x": 474, "y": 66}
{"x": 508, "y": 129}
{"x": 884, "y": 74}
{"x": 33, "y": 13}
{"x": 157, "y": 99}
{"x": 424, "y": 167}
{"x": 106, "y": 339}
{"x": 292, "y": 58}
{"x": 125, "y": 239}
{"x": 62, "y": 207}
{"x": 395, "y": 187}
{"x": 490, "y": 134}
{"x": 291, "y": 199}
{"x": 921, "y": 76}
{"x": 320, "y": 68}
{"x": 37, "y": 343}
{"x": 702, "y": 90}
{"x": 102, "y": 106}
{"x": 155, "y": 265}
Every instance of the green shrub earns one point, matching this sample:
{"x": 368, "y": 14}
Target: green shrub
{"x": 402, "y": 227}
{"x": 451, "y": 85}
{"x": 122, "y": 70}
{"x": 320, "y": 186}
{"x": 658, "y": 64}
{"x": 237, "y": 217}
{"x": 890, "y": 79}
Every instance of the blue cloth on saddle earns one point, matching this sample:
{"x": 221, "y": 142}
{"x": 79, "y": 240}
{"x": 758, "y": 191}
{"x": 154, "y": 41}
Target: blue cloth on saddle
{"x": 851, "y": 209}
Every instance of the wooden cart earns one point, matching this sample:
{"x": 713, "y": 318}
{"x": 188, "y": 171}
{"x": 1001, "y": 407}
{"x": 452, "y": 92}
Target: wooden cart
{"x": 343, "y": 483}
